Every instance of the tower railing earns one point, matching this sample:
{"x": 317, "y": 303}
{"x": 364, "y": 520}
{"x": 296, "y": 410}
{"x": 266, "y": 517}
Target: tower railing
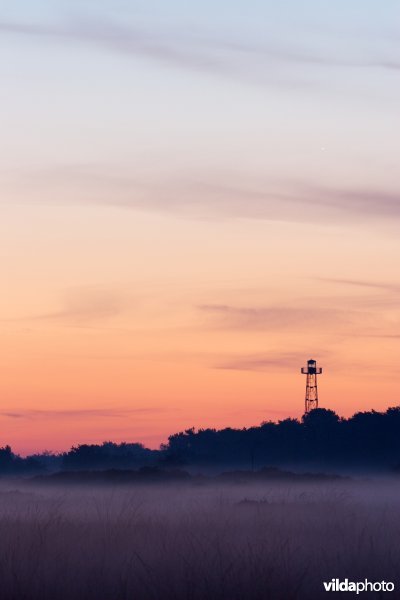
{"x": 312, "y": 371}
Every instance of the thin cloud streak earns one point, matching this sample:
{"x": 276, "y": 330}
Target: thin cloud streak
{"x": 207, "y": 196}
{"x": 308, "y": 57}
{"x": 387, "y": 287}
{"x": 340, "y": 318}
{"x": 229, "y": 57}
{"x": 264, "y": 362}
{"x": 166, "y": 48}
{"x": 264, "y": 318}
{"x": 84, "y": 413}
{"x": 82, "y": 306}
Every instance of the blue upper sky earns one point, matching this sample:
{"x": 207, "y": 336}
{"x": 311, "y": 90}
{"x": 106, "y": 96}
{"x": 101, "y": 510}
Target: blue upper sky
{"x": 287, "y": 94}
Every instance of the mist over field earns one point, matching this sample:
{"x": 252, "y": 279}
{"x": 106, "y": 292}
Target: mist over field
{"x": 195, "y": 541}
{"x": 200, "y": 322}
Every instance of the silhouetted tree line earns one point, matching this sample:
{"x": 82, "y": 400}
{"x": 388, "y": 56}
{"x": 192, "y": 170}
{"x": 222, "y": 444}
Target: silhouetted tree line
{"x": 12, "y": 464}
{"x": 108, "y": 456}
{"x": 321, "y": 439}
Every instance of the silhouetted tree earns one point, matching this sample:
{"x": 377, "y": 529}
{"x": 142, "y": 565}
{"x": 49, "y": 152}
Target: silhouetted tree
{"x": 12, "y": 464}
{"x": 108, "y": 456}
{"x": 321, "y": 439}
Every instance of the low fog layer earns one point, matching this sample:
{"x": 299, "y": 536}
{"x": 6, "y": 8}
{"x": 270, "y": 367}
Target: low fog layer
{"x": 276, "y": 540}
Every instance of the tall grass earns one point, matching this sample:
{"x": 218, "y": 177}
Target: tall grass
{"x": 275, "y": 541}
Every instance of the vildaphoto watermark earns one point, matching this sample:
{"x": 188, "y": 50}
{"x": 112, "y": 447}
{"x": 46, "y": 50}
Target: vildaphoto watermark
{"x": 337, "y": 585}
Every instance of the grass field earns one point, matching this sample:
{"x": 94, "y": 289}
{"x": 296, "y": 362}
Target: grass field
{"x": 273, "y": 541}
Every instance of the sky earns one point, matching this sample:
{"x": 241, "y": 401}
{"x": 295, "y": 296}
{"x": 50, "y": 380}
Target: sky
{"x": 195, "y": 199}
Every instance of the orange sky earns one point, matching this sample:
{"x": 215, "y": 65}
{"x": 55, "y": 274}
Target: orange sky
{"x": 192, "y": 204}
{"x": 130, "y": 326}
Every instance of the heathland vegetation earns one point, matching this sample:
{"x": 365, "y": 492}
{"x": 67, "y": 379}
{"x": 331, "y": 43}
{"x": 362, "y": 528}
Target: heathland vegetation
{"x": 211, "y": 515}
{"x": 261, "y": 541}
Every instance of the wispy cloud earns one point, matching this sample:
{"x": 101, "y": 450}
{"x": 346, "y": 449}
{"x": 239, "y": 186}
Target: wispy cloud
{"x": 387, "y": 336}
{"x": 84, "y": 413}
{"x": 307, "y": 56}
{"x": 386, "y": 287}
{"x": 86, "y": 306}
{"x": 294, "y": 201}
{"x": 272, "y": 317}
{"x": 264, "y": 361}
{"x": 211, "y": 196}
{"x": 83, "y": 306}
{"x": 166, "y": 47}
{"x": 196, "y": 50}
{"x": 339, "y": 318}
{"x": 362, "y": 201}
